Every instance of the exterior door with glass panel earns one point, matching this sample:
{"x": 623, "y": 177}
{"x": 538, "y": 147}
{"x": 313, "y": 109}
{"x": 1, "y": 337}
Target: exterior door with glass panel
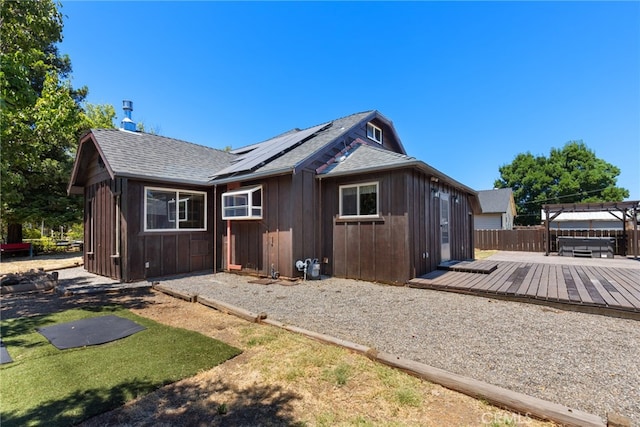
{"x": 445, "y": 246}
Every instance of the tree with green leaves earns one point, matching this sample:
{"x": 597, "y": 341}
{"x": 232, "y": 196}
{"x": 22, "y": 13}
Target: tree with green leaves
{"x": 99, "y": 116}
{"x": 572, "y": 174}
{"x": 41, "y": 118}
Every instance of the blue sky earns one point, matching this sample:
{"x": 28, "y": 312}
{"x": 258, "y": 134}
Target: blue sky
{"x": 468, "y": 86}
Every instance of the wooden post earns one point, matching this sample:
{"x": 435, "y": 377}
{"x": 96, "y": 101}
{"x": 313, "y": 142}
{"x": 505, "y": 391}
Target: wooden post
{"x": 635, "y": 232}
{"x": 230, "y": 266}
{"x": 548, "y": 231}
{"x": 624, "y": 233}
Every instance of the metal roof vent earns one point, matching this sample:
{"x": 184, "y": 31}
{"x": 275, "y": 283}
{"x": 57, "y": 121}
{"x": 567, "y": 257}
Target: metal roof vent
{"x": 127, "y": 123}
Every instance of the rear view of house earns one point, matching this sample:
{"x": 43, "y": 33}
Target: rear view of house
{"x": 344, "y": 193}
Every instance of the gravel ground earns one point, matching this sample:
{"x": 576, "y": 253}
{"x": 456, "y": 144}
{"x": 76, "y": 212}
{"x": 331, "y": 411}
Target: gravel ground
{"x": 584, "y": 361}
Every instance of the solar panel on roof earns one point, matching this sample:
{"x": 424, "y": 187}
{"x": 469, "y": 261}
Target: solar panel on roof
{"x": 270, "y": 149}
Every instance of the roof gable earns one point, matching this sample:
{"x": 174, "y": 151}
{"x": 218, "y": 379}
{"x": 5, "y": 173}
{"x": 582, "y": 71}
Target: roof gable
{"x": 362, "y": 156}
{"x": 499, "y": 200}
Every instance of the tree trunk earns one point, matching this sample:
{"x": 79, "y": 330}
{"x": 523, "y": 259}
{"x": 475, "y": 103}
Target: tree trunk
{"x": 14, "y": 233}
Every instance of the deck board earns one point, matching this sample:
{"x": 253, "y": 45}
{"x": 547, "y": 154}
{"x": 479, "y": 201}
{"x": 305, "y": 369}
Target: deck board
{"x": 608, "y": 288}
{"x": 532, "y": 289}
{"x": 563, "y": 292}
{"x": 497, "y": 278}
{"x": 503, "y": 285}
{"x": 552, "y": 287}
{"x": 621, "y": 287}
{"x": 580, "y": 286}
{"x": 587, "y": 280}
{"x": 610, "y": 299}
{"x": 543, "y": 285}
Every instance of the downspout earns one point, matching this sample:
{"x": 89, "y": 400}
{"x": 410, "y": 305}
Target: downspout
{"x": 320, "y": 220}
{"x": 229, "y": 245}
{"x": 215, "y": 229}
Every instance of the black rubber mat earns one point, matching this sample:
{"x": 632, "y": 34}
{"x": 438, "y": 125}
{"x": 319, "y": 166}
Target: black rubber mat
{"x": 92, "y": 331}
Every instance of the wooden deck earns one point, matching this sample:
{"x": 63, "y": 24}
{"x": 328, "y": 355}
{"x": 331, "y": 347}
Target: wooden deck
{"x": 595, "y": 289}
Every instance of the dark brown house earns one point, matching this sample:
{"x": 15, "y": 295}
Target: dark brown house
{"x": 343, "y": 192}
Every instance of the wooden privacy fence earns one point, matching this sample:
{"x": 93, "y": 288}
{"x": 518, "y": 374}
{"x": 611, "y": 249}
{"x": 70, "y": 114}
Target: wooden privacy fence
{"x": 524, "y": 240}
{"x": 533, "y": 239}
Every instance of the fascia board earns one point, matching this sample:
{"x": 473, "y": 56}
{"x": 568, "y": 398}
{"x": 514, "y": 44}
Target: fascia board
{"x": 252, "y": 176}
{"x": 89, "y": 137}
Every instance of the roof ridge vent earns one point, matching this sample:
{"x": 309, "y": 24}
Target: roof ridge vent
{"x": 127, "y": 123}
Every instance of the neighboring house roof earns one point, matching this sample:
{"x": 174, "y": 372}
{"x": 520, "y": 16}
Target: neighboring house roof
{"x": 499, "y": 200}
{"x": 147, "y": 156}
{"x": 584, "y": 216}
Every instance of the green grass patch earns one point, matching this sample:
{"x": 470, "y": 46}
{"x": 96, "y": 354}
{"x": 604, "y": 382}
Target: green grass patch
{"x": 339, "y": 374}
{"x": 409, "y": 397}
{"x": 47, "y": 386}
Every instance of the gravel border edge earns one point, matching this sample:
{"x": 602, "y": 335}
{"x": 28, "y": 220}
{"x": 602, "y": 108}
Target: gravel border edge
{"x": 508, "y": 399}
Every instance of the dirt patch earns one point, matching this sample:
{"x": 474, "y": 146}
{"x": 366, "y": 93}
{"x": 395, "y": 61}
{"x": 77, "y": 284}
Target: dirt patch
{"x": 30, "y": 281}
{"x": 280, "y": 378}
{"x": 45, "y": 262}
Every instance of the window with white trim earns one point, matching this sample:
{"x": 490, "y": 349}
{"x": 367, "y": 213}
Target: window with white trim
{"x": 359, "y": 200}
{"x": 374, "y": 133}
{"x": 243, "y": 203}
{"x": 169, "y": 209}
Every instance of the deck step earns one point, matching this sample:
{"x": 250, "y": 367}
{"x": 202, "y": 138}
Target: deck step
{"x": 481, "y": 267}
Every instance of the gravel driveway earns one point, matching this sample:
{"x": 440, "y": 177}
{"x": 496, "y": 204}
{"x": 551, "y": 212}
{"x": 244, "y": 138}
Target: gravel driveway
{"x": 584, "y": 361}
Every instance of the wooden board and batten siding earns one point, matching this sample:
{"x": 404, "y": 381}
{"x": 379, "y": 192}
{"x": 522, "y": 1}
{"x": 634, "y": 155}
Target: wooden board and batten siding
{"x": 404, "y": 242}
{"x": 368, "y": 249}
{"x": 167, "y": 252}
{"x": 100, "y": 251}
{"x": 286, "y": 233}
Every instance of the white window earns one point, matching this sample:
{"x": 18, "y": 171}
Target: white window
{"x": 360, "y": 200}
{"x": 243, "y": 203}
{"x": 374, "y": 132}
{"x": 162, "y": 213}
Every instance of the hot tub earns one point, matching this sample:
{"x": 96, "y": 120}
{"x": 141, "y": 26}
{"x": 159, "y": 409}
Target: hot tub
{"x": 586, "y": 247}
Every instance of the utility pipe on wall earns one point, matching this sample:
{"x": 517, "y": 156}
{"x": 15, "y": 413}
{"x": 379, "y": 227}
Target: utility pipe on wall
{"x": 215, "y": 229}
{"x": 228, "y": 244}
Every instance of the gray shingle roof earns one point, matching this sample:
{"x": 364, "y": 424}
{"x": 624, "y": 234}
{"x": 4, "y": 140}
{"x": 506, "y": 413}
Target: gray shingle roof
{"x": 495, "y": 201}
{"x": 263, "y": 153}
{"x": 298, "y": 154}
{"x": 306, "y": 150}
{"x": 143, "y": 155}
{"x": 365, "y": 157}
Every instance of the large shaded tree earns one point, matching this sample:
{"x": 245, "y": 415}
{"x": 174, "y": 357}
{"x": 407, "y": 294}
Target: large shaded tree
{"x": 40, "y": 117}
{"x": 571, "y": 174}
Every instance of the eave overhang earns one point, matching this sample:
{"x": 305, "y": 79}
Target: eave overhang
{"x": 87, "y": 138}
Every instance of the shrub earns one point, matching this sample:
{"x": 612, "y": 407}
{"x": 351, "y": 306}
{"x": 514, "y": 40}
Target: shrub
{"x": 76, "y": 232}
{"x": 46, "y": 244}
{"x": 30, "y": 233}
